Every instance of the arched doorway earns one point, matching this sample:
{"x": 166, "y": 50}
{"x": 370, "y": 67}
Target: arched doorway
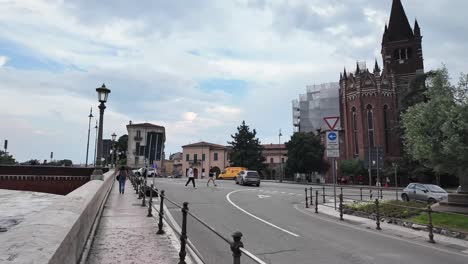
{"x": 273, "y": 174}
{"x": 195, "y": 173}
{"x": 217, "y": 170}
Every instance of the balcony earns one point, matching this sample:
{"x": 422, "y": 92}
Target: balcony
{"x": 138, "y": 138}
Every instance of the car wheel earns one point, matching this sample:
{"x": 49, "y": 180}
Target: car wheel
{"x": 258, "y": 184}
{"x": 405, "y": 197}
{"x": 432, "y": 201}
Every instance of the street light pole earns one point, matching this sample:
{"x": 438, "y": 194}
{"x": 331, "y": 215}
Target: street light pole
{"x": 279, "y": 157}
{"x": 113, "y": 148}
{"x": 95, "y": 143}
{"x": 103, "y": 92}
{"x": 89, "y": 132}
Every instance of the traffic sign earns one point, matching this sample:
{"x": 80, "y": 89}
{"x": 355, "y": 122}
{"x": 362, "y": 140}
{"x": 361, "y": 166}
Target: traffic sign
{"x": 333, "y": 153}
{"x": 332, "y": 140}
{"x": 331, "y": 121}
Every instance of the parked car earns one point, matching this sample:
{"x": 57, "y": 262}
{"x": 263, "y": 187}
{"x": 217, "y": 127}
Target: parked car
{"x": 230, "y": 172}
{"x": 423, "y": 192}
{"x": 150, "y": 172}
{"x": 247, "y": 177}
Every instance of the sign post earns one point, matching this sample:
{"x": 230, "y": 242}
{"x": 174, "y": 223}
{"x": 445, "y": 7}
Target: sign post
{"x": 333, "y": 147}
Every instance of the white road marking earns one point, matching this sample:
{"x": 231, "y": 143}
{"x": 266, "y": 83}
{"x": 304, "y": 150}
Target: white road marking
{"x": 466, "y": 251}
{"x": 283, "y": 192}
{"x": 292, "y": 194}
{"x": 375, "y": 232}
{"x": 263, "y": 196}
{"x": 256, "y": 217}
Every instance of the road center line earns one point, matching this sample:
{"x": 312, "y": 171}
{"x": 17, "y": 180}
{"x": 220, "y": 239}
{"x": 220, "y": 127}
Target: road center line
{"x": 256, "y": 217}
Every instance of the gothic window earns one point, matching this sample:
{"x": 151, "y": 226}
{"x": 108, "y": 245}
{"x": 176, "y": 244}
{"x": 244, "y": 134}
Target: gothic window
{"x": 402, "y": 54}
{"x": 355, "y": 131}
{"x": 370, "y": 126}
{"x": 215, "y": 156}
{"x": 271, "y": 160}
{"x": 187, "y": 157}
{"x": 195, "y": 158}
{"x": 386, "y": 128}
{"x": 203, "y": 156}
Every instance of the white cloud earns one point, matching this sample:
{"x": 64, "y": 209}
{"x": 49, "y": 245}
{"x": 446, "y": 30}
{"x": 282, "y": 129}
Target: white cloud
{"x": 3, "y": 60}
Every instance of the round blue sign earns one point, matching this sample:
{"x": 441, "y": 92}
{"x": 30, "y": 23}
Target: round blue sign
{"x": 332, "y": 136}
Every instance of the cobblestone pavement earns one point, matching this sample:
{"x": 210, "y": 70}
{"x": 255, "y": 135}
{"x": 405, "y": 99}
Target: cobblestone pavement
{"x": 126, "y": 235}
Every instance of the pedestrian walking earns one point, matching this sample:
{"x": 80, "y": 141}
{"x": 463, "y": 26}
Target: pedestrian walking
{"x": 122, "y": 174}
{"x": 211, "y": 177}
{"x": 191, "y": 178}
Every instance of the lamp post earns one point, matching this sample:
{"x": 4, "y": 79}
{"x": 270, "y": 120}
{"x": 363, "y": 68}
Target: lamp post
{"x": 280, "y": 162}
{"x": 89, "y": 131}
{"x": 113, "y": 148}
{"x": 95, "y": 143}
{"x": 103, "y": 92}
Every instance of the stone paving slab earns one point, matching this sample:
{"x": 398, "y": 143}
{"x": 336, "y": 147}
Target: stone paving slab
{"x": 126, "y": 235}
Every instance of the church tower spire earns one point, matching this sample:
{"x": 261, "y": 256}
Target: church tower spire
{"x": 398, "y": 27}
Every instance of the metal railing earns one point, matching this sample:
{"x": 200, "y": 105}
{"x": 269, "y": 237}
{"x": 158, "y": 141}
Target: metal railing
{"x": 235, "y": 244}
{"x": 376, "y": 214}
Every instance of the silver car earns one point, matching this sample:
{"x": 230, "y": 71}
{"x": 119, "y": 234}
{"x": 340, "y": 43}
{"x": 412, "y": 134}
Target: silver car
{"x": 423, "y": 192}
{"x": 247, "y": 177}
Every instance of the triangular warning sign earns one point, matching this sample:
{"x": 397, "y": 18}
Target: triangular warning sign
{"x": 331, "y": 121}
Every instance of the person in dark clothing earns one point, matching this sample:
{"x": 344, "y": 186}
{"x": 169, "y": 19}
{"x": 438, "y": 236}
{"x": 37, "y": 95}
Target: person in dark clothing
{"x": 122, "y": 174}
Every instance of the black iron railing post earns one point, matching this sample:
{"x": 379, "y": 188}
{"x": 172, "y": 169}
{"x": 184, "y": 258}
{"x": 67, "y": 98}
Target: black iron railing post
{"x": 316, "y": 201}
{"x": 311, "y": 197}
{"x": 429, "y": 225}
{"x": 370, "y": 194}
{"x": 183, "y": 235}
{"x": 150, "y": 203}
{"x": 381, "y": 193}
{"x": 323, "y": 193}
{"x": 360, "y": 191}
{"x": 306, "y": 201}
{"x": 161, "y": 214}
{"x": 377, "y": 221}
{"x": 235, "y": 247}
{"x": 341, "y": 206}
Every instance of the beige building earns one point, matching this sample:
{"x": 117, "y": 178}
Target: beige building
{"x": 275, "y": 158}
{"x": 145, "y": 145}
{"x": 204, "y": 156}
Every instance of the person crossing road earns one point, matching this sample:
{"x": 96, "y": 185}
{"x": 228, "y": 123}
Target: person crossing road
{"x": 191, "y": 177}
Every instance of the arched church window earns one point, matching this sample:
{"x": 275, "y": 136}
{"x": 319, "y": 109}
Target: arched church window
{"x": 355, "y": 132}
{"x": 370, "y": 126}
{"x": 402, "y": 54}
{"x": 386, "y": 128}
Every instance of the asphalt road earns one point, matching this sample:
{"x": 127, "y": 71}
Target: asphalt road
{"x": 278, "y": 231}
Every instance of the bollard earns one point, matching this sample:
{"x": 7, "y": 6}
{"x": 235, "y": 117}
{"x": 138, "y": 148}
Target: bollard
{"x": 323, "y": 193}
{"x": 381, "y": 193}
{"x": 306, "y": 201}
{"x": 235, "y": 247}
{"x": 341, "y": 206}
{"x": 396, "y": 194}
{"x": 430, "y": 226}
{"x": 136, "y": 189}
{"x": 311, "y": 197}
{"x": 316, "y": 201}
{"x": 360, "y": 191}
{"x": 183, "y": 235}
{"x": 370, "y": 194}
{"x": 161, "y": 214}
{"x": 139, "y": 191}
{"x": 150, "y": 203}
{"x": 377, "y": 221}
{"x": 143, "y": 194}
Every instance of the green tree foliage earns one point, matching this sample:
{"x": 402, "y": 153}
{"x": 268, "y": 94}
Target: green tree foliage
{"x": 122, "y": 146}
{"x": 246, "y": 149}
{"x": 352, "y": 167}
{"x": 436, "y": 129}
{"x": 6, "y": 159}
{"x": 305, "y": 153}
{"x": 65, "y": 162}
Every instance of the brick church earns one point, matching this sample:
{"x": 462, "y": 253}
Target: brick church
{"x": 369, "y": 100}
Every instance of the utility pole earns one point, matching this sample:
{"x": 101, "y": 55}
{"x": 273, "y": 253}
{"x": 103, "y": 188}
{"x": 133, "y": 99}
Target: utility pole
{"x": 280, "y": 161}
{"x": 95, "y": 142}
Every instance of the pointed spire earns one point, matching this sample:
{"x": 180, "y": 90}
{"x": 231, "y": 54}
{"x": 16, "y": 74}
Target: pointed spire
{"x": 345, "y": 76}
{"x": 417, "y": 30}
{"x": 398, "y": 26}
{"x": 341, "y": 76}
{"x": 376, "y": 67}
{"x": 357, "y": 69}
{"x": 385, "y": 34}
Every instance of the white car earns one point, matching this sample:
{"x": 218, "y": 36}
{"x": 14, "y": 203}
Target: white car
{"x": 248, "y": 177}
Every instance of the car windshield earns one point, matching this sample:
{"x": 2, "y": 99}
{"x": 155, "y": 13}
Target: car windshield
{"x": 435, "y": 188}
{"x": 252, "y": 174}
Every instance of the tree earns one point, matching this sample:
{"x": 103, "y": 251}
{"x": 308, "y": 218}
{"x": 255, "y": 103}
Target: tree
{"x": 352, "y": 167}
{"x": 122, "y": 146}
{"x": 6, "y": 159}
{"x": 246, "y": 149}
{"x": 435, "y": 130}
{"x": 305, "y": 153}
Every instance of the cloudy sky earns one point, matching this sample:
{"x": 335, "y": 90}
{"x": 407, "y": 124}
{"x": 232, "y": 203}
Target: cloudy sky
{"x": 197, "y": 67}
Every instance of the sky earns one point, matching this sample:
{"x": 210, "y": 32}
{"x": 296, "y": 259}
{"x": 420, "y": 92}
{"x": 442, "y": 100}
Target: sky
{"x": 196, "y": 67}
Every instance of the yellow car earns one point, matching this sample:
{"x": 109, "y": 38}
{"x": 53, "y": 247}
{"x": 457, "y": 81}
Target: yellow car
{"x": 230, "y": 173}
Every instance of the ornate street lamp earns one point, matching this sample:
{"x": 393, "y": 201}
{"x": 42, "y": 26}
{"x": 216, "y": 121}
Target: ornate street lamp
{"x": 103, "y": 92}
{"x": 89, "y": 131}
{"x": 114, "y": 136}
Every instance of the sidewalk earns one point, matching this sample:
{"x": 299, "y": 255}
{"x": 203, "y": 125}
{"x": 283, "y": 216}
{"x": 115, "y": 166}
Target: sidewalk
{"x": 391, "y": 229}
{"x": 126, "y": 235}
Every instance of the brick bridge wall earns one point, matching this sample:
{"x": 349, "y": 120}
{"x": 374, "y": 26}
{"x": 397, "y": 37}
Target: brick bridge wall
{"x": 48, "y": 179}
